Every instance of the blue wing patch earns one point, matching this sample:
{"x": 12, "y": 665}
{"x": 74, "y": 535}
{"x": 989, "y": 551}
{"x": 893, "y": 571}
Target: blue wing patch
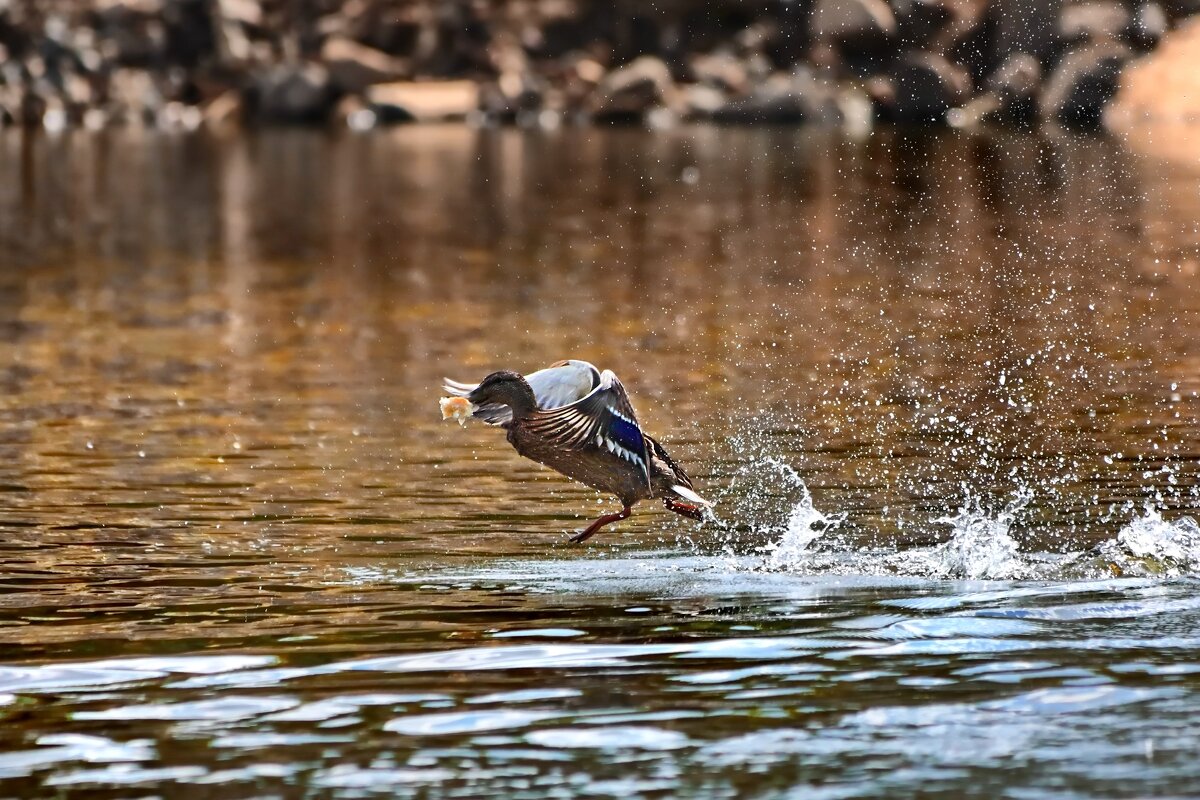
{"x": 603, "y": 419}
{"x": 626, "y": 434}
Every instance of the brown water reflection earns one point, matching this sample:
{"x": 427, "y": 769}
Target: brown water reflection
{"x": 219, "y": 362}
{"x": 247, "y": 332}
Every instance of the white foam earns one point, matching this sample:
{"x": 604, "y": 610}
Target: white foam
{"x": 805, "y": 525}
{"x": 1171, "y": 546}
{"x": 981, "y": 546}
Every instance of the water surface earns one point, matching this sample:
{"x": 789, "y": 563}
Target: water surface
{"x": 943, "y": 387}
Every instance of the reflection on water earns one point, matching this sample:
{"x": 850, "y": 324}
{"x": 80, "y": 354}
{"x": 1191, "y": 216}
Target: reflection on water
{"x": 240, "y": 548}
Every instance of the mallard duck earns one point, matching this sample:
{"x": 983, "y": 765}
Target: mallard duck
{"x": 578, "y": 421}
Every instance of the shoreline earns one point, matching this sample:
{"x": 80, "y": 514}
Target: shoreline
{"x": 188, "y": 64}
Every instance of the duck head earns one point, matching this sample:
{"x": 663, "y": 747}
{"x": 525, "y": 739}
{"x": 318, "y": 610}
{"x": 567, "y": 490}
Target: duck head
{"x": 505, "y": 388}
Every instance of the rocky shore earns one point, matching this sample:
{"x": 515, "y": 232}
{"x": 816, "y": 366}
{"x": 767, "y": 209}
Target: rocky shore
{"x": 362, "y": 63}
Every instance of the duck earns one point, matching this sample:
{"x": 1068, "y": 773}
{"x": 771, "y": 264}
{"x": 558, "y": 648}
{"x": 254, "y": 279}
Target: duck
{"x": 579, "y": 421}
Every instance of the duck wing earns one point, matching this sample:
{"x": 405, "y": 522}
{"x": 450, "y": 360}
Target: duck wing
{"x": 601, "y": 420}
{"x": 558, "y": 385}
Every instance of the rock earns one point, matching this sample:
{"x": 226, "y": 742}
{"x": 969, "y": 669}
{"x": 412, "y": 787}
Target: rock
{"x": 1024, "y": 26}
{"x": 1015, "y": 86}
{"x": 1093, "y": 20}
{"x": 190, "y": 33}
{"x": 135, "y": 96}
{"x": 233, "y": 17}
{"x": 1083, "y": 83}
{"x": 143, "y": 7}
{"x": 722, "y": 70}
{"x": 1164, "y": 86}
{"x": 703, "y": 101}
{"x": 353, "y": 66}
{"x": 782, "y": 98}
{"x": 636, "y": 88}
{"x": 299, "y": 93}
{"x": 861, "y": 32}
{"x": 921, "y": 21}
{"x": 1148, "y": 26}
{"x": 130, "y": 33}
{"x": 925, "y": 86}
{"x": 852, "y": 21}
{"x": 429, "y": 101}
{"x": 223, "y": 111}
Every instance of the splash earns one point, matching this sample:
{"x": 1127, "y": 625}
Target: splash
{"x": 981, "y": 546}
{"x": 1150, "y": 545}
{"x": 804, "y": 527}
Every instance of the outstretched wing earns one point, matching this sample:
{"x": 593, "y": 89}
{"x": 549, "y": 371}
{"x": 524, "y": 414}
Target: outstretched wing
{"x": 558, "y": 385}
{"x": 603, "y": 419}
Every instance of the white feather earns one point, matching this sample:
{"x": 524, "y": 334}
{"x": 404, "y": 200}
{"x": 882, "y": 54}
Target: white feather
{"x": 559, "y": 386}
{"x": 553, "y": 387}
{"x": 688, "y": 494}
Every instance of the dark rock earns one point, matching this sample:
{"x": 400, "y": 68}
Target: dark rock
{"x": 300, "y": 93}
{"x": 921, "y": 21}
{"x": 1083, "y": 83}
{"x": 863, "y": 31}
{"x": 190, "y": 32}
{"x": 131, "y": 32}
{"x": 925, "y": 86}
{"x": 782, "y": 98}
{"x": 1024, "y": 26}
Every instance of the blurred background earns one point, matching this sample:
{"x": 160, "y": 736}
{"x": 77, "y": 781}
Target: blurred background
{"x": 187, "y": 63}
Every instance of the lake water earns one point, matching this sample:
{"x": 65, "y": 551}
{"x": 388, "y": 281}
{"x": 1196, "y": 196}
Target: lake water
{"x": 945, "y": 389}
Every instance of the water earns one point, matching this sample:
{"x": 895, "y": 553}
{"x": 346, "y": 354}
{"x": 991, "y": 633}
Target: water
{"x": 943, "y": 387}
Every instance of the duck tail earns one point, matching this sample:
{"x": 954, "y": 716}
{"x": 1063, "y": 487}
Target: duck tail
{"x": 457, "y": 388}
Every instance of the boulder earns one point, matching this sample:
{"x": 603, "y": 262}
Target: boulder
{"x": 424, "y": 101}
{"x": 1015, "y": 85}
{"x": 353, "y": 66}
{"x": 782, "y": 98}
{"x": 1025, "y": 26}
{"x": 1083, "y": 83}
{"x": 1162, "y": 87}
{"x": 721, "y": 69}
{"x": 925, "y": 86}
{"x": 861, "y": 30}
{"x": 850, "y": 21}
{"x": 1098, "y": 19}
{"x": 297, "y": 92}
{"x": 632, "y": 90}
{"x": 1148, "y": 26}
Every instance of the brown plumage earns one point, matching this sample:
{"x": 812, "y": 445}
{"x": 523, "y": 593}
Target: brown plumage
{"x": 595, "y": 439}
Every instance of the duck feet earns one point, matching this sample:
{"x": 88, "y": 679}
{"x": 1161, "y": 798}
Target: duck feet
{"x": 684, "y": 509}
{"x": 587, "y": 532}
